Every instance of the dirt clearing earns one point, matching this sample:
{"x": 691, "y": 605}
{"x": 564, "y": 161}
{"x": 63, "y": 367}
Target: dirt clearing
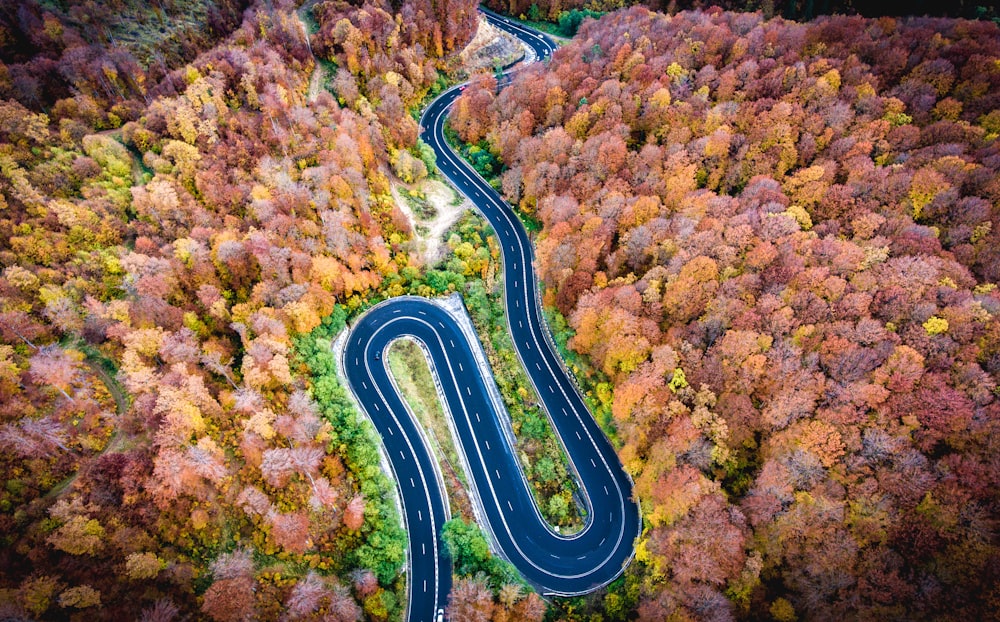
{"x": 432, "y": 206}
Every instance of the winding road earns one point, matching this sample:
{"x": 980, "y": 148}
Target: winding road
{"x": 554, "y": 564}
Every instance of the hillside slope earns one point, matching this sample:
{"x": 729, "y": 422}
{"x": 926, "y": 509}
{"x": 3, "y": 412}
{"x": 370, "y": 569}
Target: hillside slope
{"x": 776, "y": 243}
{"x": 196, "y": 238}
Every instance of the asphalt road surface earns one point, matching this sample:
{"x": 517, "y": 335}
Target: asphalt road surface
{"x": 554, "y": 564}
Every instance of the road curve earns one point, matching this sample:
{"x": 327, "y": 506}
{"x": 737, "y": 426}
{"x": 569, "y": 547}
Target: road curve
{"x": 554, "y": 564}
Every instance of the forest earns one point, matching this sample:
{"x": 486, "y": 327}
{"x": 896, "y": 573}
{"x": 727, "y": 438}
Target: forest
{"x": 767, "y": 248}
{"x": 774, "y": 243}
{"x": 181, "y": 235}
{"x": 803, "y": 10}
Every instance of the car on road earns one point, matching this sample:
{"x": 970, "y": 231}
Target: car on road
{"x": 440, "y": 616}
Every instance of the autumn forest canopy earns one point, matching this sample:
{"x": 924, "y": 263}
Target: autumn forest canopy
{"x": 775, "y": 243}
{"x": 767, "y": 246}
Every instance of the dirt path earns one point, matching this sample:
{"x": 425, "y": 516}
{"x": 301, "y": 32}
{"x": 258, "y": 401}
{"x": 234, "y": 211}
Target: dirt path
{"x": 121, "y": 401}
{"x": 319, "y": 74}
{"x": 316, "y": 81}
{"x": 117, "y": 440}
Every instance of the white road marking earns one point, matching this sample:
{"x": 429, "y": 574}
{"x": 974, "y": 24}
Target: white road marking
{"x": 460, "y": 368}
{"x": 594, "y": 464}
{"x": 497, "y": 471}
{"x": 551, "y": 390}
{"x": 509, "y": 505}
{"x": 487, "y": 445}
{"x": 468, "y": 390}
{"x": 578, "y": 436}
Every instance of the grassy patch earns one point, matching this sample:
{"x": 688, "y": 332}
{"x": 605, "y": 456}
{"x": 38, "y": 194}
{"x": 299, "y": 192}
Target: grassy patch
{"x": 172, "y": 36}
{"x": 329, "y": 69}
{"x": 530, "y": 222}
{"x": 413, "y": 376}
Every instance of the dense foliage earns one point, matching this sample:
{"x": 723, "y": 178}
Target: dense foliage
{"x": 174, "y": 441}
{"x": 775, "y": 243}
{"x": 778, "y": 242}
{"x": 103, "y": 56}
{"x": 390, "y": 59}
{"x": 559, "y": 10}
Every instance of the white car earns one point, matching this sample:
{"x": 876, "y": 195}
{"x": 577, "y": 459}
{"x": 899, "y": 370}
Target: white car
{"x": 440, "y": 616}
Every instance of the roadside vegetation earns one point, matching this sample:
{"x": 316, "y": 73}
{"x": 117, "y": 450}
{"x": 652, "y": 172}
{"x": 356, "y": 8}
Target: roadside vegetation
{"x": 486, "y": 586}
{"x": 592, "y": 382}
{"x": 412, "y": 375}
{"x": 563, "y": 24}
{"x": 374, "y": 538}
{"x": 478, "y": 155}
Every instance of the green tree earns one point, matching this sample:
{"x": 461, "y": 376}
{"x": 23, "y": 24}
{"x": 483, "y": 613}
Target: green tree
{"x": 467, "y": 546}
